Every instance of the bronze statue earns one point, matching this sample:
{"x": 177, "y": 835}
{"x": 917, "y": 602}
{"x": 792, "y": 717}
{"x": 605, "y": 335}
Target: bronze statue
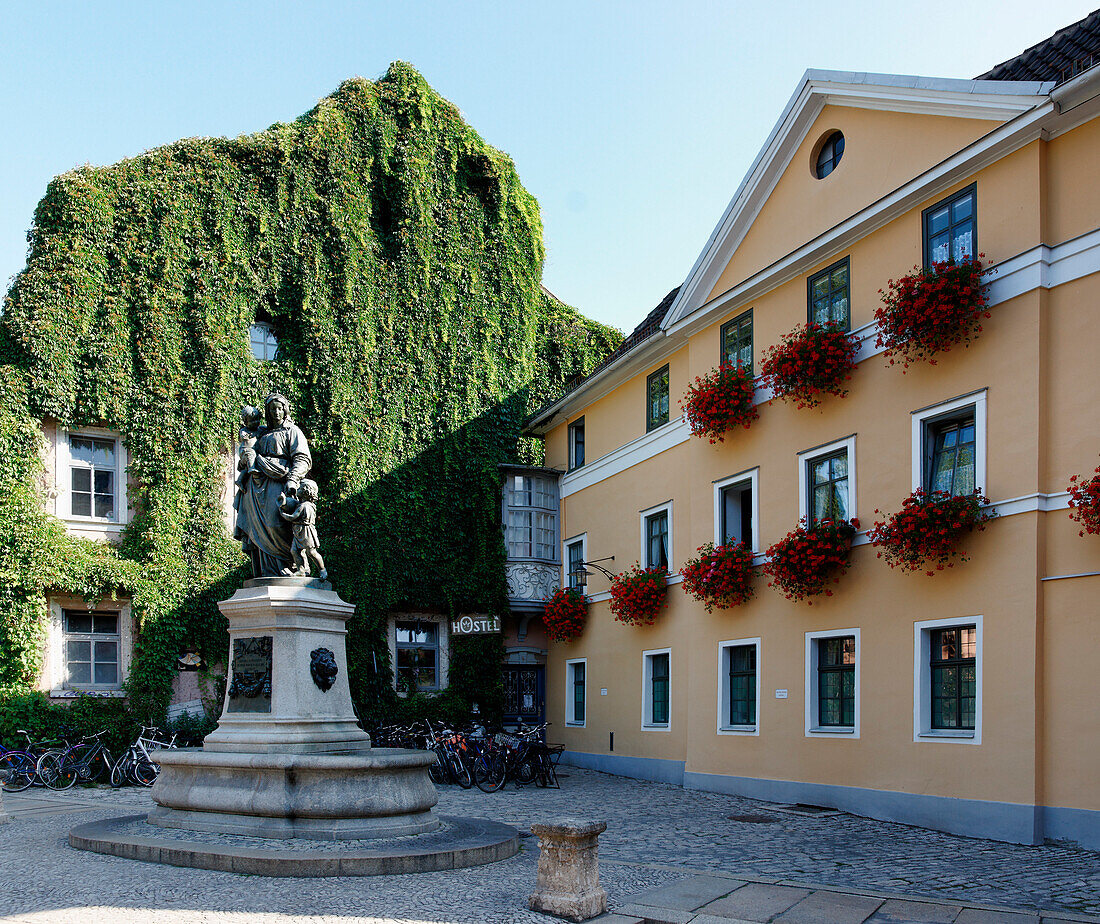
{"x": 272, "y": 460}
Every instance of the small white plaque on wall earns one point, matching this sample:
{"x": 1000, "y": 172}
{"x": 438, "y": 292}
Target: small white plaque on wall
{"x": 780, "y": 694}
{"x": 603, "y": 691}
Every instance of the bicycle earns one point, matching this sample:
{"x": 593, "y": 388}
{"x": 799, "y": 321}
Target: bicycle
{"x": 88, "y": 761}
{"x": 19, "y": 768}
{"x": 136, "y": 765}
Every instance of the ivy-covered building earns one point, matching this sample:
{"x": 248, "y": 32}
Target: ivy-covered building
{"x": 375, "y": 261}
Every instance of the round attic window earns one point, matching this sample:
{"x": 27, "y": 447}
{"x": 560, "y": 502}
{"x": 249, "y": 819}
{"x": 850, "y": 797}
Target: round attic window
{"x": 829, "y": 153}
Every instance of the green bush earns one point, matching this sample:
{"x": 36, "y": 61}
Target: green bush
{"x": 74, "y": 719}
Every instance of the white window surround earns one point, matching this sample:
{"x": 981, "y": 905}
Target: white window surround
{"x": 63, "y": 482}
{"x": 752, "y": 479}
{"x": 54, "y": 667}
{"x": 922, "y": 682}
{"x": 642, "y": 546}
{"x": 925, "y": 416}
{"x": 647, "y": 690}
{"x": 724, "y": 688}
{"x": 570, "y": 716}
{"x": 809, "y": 455}
{"x": 582, "y": 538}
{"x": 443, "y": 637}
{"x": 813, "y": 730}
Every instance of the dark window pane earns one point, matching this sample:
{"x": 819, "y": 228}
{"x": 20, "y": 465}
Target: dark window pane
{"x": 105, "y": 482}
{"x": 103, "y": 453}
{"x": 82, "y": 480}
{"x": 105, "y": 506}
{"x": 77, "y": 650}
{"x": 80, "y": 672}
{"x": 938, "y": 220}
{"x": 78, "y": 622}
{"x": 106, "y": 623}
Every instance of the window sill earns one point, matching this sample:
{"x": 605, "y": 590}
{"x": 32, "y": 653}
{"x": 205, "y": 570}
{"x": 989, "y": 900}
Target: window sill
{"x": 830, "y": 731}
{"x": 574, "y": 724}
{"x": 73, "y": 694}
{"x": 737, "y": 730}
{"x": 946, "y": 734}
{"x": 655, "y": 726}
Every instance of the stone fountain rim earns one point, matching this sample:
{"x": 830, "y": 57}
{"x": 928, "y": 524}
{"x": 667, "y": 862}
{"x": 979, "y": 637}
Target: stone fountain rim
{"x": 375, "y": 759}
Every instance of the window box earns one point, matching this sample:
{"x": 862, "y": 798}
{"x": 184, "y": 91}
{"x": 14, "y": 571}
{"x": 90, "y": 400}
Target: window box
{"x": 565, "y": 614}
{"x": 656, "y": 690}
{"x": 924, "y": 535}
{"x": 638, "y": 595}
{"x": 806, "y": 561}
{"x": 832, "y": 683}
{"x": 1084, "y": 502}
{"x": 739, "y": 687}
{"x": 811, "y": 361}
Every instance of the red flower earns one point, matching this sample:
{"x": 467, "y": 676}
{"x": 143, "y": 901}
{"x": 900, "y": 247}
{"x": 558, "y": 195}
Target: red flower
{"x": 637, "y": 595}
{"x": 929, "y": 311}
{"x": 806, "y": 560}
{"x": 927, "y": 530}
{"x": 720, "y": 401}
{"x": 1084, "y": 502}
{"x": 812, "y": 361}
{"x": 720, "y": 577}
{"x": 565, "y": 614}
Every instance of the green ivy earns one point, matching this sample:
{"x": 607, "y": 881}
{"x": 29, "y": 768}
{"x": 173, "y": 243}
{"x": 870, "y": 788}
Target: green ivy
{"x": 398, "y": 259}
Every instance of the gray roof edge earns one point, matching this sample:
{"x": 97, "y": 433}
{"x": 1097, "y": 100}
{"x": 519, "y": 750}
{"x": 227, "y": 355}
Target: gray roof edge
{"x": 943, "y": 84}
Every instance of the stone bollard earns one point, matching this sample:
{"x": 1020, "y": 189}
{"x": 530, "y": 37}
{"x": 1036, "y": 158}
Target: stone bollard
{"x": 3, "y": 817}
{"x": 568, "y": 883}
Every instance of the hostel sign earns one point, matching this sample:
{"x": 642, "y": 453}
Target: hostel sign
{"x": 475, "y": 625}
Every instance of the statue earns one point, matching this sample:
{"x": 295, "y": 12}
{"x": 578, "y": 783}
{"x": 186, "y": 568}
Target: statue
{"x": 272, "y": 460}
{"x": 303, "y": 519}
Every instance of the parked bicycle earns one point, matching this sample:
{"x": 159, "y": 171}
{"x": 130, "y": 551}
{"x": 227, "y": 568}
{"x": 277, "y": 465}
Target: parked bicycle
{"x": 136, "y": 766}
{"x": 19, "y": 768}
{"x": 87, "y": 761}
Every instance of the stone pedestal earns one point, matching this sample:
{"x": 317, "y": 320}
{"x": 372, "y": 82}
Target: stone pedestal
{"x": 568, "y": 884}
{"x": 288, "y": 758}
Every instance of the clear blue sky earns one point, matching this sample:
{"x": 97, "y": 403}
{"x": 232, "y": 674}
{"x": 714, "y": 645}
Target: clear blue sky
{"x": 632, "y": 122}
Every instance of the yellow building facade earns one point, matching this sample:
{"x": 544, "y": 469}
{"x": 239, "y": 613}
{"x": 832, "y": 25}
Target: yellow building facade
{"x": 864, "y": 177}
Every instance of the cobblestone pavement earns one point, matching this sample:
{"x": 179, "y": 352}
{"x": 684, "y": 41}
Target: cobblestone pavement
{"x": 656, "y": 835}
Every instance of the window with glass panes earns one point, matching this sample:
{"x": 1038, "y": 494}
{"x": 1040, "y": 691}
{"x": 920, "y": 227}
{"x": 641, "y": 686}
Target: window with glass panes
{"x": 736, "y": 504}
{"x": 576, "y": 444}
{"x": 262, "y": 339}
{"x": 91, "y": 645}
{"x": 578, "y": 691}
{"x": 953, "y": 674}
{"x": 829, "y": 155}
{"x": 417, "y": 655}
{"x": 951, "y": 451}
{"x": 836, "y": 681}
{"x": 950, "y": 228}
{"x": 828, "y": 487}
{"x": 736, "y": 337}
{"x": 93, "y": 471}
{"x": 658, "y": 688}
{"x": 656, "y": 540}
{"x": 531, "y": 517}
{"x": 656, "y": 388}
{"x": 742, "y": 680}
{"x": 575, "y": 576}
{"x": 828, "y": 296}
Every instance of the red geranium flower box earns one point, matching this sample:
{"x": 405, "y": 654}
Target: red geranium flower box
{"x": 720, "y": 401}
{"x": 929, "y": 311}
{"x": 1084, "y": 502}
{"x": 720, "y": 576}
{"x": 812, "y": 361}
{"x": 637, "y": 595}
{"x": 808, "y": 559}
{"x": 565, "y": 614}
{"x": 927, "y": 529}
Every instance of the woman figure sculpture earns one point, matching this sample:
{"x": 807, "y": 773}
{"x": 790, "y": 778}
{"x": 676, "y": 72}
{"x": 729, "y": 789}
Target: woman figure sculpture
{"x": 271, "y": 463}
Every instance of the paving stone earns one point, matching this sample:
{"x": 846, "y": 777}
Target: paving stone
{"x": 895, "y": 911}
{"x": 688, "y": 894}
{"x": 831, "y": 908}
{"x": 614, "y": 918}
{"x": 756, "y": 902}
{"x": 989, "y": 916}
{"x": 651, "y": 914}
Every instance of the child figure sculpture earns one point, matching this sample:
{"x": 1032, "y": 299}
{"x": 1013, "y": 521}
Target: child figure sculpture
{"x": 302, "y": 515}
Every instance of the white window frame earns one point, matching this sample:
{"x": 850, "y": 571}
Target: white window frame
{"x": 752, "y": 479}
{"x": 54, "y": 674}
{"x": 571, "y": 432}
{"x": 573, "y": 540}
{"x": 813, "y": 730}
{"x": 643, "y": 545}
{"x": 269, "y": 331}
{"x": 724, "y": 728}
{"x": 922, "y": 682}
{"x": 925, "y": 417}
{"x": 647, "y": 690}
{"x": 63, "y": 482}
{"x": 570, "y": 716}
{"x": 443, "y": 655}
{"x": 807, "y": 456}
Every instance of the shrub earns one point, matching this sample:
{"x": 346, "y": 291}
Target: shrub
{"x": 804, "y": 562}
{"x": 720, "y": 401}
{"x": 927, "y": 529}
{"x": 1084, "y": 502}
{"x": 931, "y": 310}
{"x": 637, "y": 595}
{"x": 720, "y": 576}
{"x": 811, "y": 361}
{"x": 565, "y": 614}
{"x": 84, "y": 715}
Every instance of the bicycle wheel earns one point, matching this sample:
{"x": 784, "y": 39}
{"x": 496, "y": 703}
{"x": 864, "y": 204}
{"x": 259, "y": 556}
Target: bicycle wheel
{"x": 527, "y": 769}
{"x": 16, "y": 771}
{"x": 437, "y": 772}
{"x": 120, "y": 772}
{"x": 491, "y": 777}
{"x": 54, "y": 772}
{"x": 97, "y": 767}
{"x": 144, "y": 772}
{"x": 460, "y": 772}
